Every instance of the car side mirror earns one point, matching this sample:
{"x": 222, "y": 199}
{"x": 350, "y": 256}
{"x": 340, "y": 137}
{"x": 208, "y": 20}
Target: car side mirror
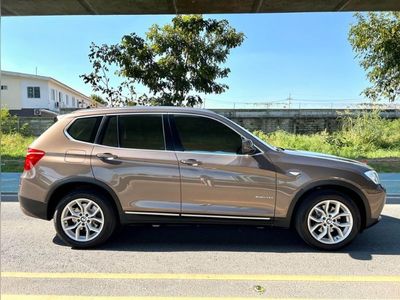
{"x": 248, "y": 147}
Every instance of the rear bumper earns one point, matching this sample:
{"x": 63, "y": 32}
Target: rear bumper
{"x": 33, "y": 208}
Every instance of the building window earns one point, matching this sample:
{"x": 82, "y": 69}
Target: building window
{"x": 53, "y": 95}
{"x": 59, "y": 96}
{"x": 4, "y": 87}
{"x": 73, "y": 102}
{"x": 33, "y": 92}
{"x": 66, "y": 99}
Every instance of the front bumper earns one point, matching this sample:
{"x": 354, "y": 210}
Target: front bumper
{"x": 33, "y": 208}
{"x": 376, "y": 203}
{"x": 373, "y": 222}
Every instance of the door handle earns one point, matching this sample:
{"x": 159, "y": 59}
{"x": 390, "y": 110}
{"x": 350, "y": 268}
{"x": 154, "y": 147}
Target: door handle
{"x": 106, "y": 156}
{"x": 191, "y": 162}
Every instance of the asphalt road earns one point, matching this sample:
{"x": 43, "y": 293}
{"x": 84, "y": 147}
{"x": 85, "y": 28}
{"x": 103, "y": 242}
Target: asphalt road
{"x": 191, "y": 261}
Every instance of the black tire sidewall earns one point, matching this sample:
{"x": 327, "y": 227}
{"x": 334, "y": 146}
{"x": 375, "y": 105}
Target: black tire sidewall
{"x": 314, "y": 199}
{"x": 108, "y": 212}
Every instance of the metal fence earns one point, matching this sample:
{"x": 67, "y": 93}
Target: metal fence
{"x": 32, "y": 125}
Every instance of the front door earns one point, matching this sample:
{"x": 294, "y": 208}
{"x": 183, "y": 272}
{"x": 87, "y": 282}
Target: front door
{"x": 131, "y": 158}
{"x": 217, "y": 180}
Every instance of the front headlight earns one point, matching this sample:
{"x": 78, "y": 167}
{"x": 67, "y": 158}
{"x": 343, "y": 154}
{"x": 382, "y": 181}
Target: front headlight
{"x": 371, "y": 174}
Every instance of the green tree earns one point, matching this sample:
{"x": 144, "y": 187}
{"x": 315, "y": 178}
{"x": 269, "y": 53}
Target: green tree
{"x": 175, "y": 62}
{"x": 375, "y": 38}
{"x": 98, "y": 99}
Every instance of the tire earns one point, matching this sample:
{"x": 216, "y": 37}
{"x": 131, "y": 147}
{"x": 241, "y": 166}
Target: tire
{"x": 326, "y": 236}
{"x": 88, "y": 210}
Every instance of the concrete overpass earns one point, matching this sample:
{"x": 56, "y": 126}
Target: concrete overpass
{"x": 127, "y": 7}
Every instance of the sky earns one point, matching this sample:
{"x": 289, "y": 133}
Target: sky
{"x": 304, "y": 56}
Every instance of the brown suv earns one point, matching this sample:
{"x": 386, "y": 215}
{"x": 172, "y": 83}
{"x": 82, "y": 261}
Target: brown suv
{"x": 95, "y": 169}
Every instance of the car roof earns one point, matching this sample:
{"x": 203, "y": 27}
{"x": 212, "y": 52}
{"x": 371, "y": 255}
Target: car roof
{"x": 140, "y": 109}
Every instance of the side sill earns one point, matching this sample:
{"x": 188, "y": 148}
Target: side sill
{"x": 167, "y": 218}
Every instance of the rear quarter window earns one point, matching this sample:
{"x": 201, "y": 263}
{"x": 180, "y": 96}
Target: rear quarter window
{"x": 84, "y": 129}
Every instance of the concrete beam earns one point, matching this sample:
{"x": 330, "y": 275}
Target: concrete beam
{"x": 132, "y": 7}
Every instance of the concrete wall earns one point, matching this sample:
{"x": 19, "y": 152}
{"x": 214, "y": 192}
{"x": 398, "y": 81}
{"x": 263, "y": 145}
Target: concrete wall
{"x": 294, "y": 120}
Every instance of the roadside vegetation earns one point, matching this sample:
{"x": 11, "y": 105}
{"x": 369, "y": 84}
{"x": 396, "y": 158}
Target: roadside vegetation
{"x": 15, "y": 139}
{"x": 367, "y": 137}
{"x": 13, "y": 151}
{"x": 363, "y": 137}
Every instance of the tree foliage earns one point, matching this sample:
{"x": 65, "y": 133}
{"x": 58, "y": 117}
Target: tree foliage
{"x": 98, "y": 99}
{"x": 375, "y": 38}
{"x": 10, "y": 124}
{"x": 175, "y": 62}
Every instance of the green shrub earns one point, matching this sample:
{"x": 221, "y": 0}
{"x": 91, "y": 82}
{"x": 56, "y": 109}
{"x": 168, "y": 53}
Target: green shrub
{"x": 364, "y": 136}
{"x": 14, "y": 146}
{"x": 10, "y": 124}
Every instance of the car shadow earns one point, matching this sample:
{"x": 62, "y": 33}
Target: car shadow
{"x": 383, "y": 238}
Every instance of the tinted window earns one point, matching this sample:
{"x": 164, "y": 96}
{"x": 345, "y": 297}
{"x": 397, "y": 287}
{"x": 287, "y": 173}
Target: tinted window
{"x": 84, "y": 129}
{"x": 141, "y": 132}
{"x": 110, "y": 137}
{"x": 205, "y": 134}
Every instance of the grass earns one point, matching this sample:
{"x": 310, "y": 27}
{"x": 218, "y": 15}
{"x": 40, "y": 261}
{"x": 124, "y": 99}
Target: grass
{"x": 326, "y": 143}
{"x": 367, "y": 137}
{"x": 13, "y": 151}
{"x": 385, "y": 160}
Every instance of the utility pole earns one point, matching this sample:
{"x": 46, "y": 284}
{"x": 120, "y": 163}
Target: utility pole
{"x": 289, "y": 99}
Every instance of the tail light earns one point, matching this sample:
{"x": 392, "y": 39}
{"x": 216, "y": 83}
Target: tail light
{"x": 32, "y": 158}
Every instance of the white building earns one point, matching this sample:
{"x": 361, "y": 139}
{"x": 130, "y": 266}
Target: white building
{"x": 28, "y": 95}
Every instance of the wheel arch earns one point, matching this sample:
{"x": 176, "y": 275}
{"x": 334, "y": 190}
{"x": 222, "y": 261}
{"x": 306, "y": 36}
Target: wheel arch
{"x": 63, "y": 187}
{"x": 336, "y": 186}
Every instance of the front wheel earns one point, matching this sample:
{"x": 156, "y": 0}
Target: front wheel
{"x": 84, "y": 219}
{"x": 328, "y": 221}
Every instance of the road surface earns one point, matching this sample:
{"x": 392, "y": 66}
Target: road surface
{"x": 192, "y": 261}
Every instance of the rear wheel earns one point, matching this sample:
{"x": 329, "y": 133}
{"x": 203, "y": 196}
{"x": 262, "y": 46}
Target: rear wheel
{"x": 328, "y": 220}
{"x": 84, "y": 219}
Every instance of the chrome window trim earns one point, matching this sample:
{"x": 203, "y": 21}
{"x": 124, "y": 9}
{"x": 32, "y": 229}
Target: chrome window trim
{"x": 165, "y": 146}
{"x": 227, "y": 125}
{"x": 65, "y": 131}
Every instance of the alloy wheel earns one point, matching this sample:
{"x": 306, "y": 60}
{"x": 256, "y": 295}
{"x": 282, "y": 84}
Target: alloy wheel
{"x": 330, "y": 222}
{"x": 82, "y": 220}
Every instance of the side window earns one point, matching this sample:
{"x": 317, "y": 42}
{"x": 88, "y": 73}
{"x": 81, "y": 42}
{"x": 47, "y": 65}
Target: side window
{"x": 141, "y": 132}
{"x": 208, "y": 135}
{"x": 84, "y": 129}
{"x": 110, "y": 135}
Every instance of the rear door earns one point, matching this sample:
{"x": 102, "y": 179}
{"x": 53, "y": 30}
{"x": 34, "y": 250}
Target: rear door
{"x": 131, "y": 158}
{"x": 217, "y": 180}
